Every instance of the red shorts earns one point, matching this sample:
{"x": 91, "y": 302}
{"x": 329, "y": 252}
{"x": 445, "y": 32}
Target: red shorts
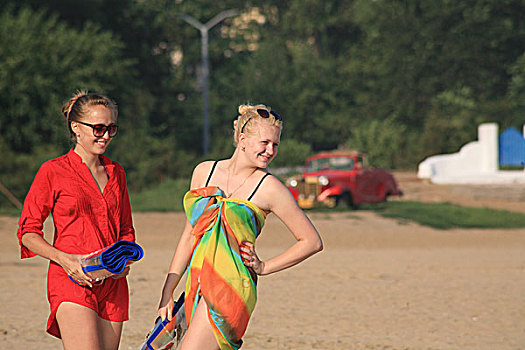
{"x": 110, "y": 299}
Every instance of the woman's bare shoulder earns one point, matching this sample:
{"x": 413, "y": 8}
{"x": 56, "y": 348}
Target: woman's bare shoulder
{"x": 274, "y": 189}
{"x": 201, "y": 172}
{"x": 274, "y": 182}
{"x": 203, "y": 167}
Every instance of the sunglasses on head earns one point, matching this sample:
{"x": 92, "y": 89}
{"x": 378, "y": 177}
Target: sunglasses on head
{"x": 99, "y": 130}
{"x": 264, "y": 114}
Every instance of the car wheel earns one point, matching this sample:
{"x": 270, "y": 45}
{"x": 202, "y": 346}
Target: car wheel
{"x": 345, "y": 201}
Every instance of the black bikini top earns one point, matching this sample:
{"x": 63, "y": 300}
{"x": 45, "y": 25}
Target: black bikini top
{"x": 256, "y": 187}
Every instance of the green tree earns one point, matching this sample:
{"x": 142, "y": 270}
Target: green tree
{"x": 42, "y": 62}
{"x": 414, "y": 53}
{"x": 382, "y": 141}
{"x": 454, "y": 113}
{"x": 297, "y": 68}
{"x": 292, "y": 153}
{"x": 516, "y": 92}
{"x": 333, "y": 69}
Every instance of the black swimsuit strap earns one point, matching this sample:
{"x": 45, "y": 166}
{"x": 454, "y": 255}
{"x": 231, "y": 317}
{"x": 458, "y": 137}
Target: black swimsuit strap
{"x": 211, "y": 173}
{"x": 259, "y": 184}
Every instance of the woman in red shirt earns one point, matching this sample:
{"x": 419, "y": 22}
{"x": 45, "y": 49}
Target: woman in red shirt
{"x": 87, "y": 195}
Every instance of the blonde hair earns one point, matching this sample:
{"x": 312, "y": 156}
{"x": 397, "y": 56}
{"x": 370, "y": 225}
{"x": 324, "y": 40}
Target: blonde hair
{"x": 76, "y": 108}
{"x": 244, "y": 122}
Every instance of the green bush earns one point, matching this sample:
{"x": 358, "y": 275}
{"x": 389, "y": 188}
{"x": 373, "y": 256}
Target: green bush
{"x": 17, "y": 170}
{"x": 291, "y": 153}
{"x": 166, "y": 196}
{"x": 42, "y": 62}
{"x": 382, "y": 141}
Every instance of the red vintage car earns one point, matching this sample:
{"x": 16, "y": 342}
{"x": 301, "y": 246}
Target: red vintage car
{"x": 341, "y": 178}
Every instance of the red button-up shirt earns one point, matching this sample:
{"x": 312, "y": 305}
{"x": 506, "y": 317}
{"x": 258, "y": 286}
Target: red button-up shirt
{"x": 85, "y": 219}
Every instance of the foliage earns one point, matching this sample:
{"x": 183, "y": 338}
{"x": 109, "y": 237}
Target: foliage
{"x": 517, "y": 85}
{"x": 9, "y": 211}
{"x": 291, "y": 153}
{"x": 148, "y": 160}
{"x": 452, "y": 113}
{"x": 413, "y": 51}
{"x": 447, "y": 216}
{"x": 17, "y": 170}
{"x": 400, "y": 80}
{"x": 383, "y": 141}
{"x": 163, "y": 197}
{"x": 42, "y": 62}
{"x": 441, "y": 216}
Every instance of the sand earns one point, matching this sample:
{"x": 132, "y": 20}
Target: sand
{"x": 378, "y": 284}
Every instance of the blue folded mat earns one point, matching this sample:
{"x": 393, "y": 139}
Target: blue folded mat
{"x": 115, "y": 257}
{"x": 111, "y": 260}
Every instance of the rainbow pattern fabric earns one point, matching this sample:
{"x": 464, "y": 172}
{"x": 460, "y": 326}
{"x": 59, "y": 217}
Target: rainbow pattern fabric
{"x": 216, "y": 271}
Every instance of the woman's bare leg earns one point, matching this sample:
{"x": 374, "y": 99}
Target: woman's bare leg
{"x": 81, "y": 328}
{"x": 78, "y": 327}
{"x": 199, "y": 335}
{"x": 109, "y": 333}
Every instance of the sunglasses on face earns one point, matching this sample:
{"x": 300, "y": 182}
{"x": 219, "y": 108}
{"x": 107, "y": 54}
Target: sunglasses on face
{"x": 99, "y": 130}
{"x": 264, "y": 114}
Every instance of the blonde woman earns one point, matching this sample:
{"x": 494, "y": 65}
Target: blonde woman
{"x": 87, "y": 195}
{"x": 226, "y": 208}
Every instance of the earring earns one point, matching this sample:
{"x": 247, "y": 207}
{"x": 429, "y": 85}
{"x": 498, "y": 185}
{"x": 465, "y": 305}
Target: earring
{"x": 243, "y": 149}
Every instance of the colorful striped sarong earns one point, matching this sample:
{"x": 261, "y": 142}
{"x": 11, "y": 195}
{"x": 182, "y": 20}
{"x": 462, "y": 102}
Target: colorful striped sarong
{"x": 216, "y": 271}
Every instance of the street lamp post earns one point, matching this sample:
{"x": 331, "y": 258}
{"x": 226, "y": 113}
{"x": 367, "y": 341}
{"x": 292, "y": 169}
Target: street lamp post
{"x": 204, "y": 28}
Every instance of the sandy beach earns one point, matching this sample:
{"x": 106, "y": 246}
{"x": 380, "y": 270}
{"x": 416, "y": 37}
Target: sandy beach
{"x": 378, "y": 284}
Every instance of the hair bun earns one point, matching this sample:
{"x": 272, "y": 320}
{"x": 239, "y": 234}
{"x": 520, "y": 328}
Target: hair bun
{"x": 243, "y": 109}
{"x": 68, "y": 106}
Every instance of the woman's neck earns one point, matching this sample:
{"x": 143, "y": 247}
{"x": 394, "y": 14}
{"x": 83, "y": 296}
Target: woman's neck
{"x": 238, "y": 171}
{"x": 238, "y": 165}
{"x": 91, "y": 160}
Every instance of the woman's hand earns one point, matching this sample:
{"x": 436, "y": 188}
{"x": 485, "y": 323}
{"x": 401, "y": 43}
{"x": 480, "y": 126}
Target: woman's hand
{"x": 124, "y": 273}
{"x": 166, "y": 307}
{"x": 250, "y": 258}
{"x": 71, "y": 264}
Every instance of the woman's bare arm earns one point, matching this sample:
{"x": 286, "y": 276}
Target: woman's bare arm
{"x": 70, "y": 262}
{"x": 182, "y": 254}
{"x": 308, "y": 241}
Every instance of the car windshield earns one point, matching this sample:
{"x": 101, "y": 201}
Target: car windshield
{"x": 334, "y": 163}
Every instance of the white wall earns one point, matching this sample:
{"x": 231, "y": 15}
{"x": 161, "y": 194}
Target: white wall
{"x": 474, "y": 157}
{"x": 489, "y": 144}
{"x": 476, "y": 162}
